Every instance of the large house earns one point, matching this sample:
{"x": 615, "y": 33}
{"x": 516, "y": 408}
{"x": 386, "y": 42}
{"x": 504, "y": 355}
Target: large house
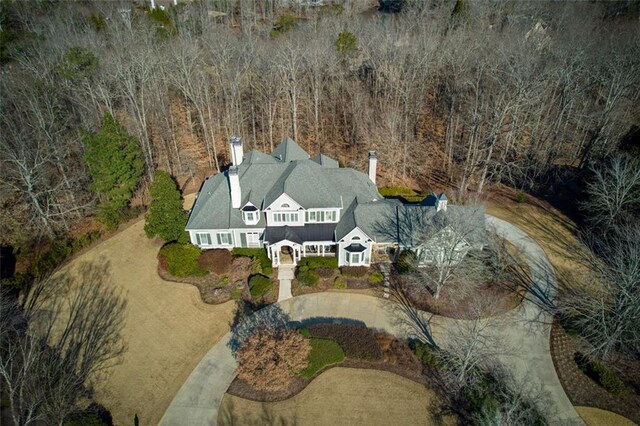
{"x": 295, "y": 205}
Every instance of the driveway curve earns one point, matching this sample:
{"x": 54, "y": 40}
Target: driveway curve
{"x": 526, "y": 329}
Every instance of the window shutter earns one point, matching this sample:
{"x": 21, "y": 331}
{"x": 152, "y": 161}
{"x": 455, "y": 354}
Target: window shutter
{"x": 198, "y": 239}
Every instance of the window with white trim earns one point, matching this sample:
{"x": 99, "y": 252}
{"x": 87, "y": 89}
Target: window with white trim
{"x": 224, "y": 238}
{"x": 250, "y": 217}
{"x": 320, "y": 216}
{"x": 285, "y": 217}
{"x": 354, "y": 258}
{"x": 203, "y": 238}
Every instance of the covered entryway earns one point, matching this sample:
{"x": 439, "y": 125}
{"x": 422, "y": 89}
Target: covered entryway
{"x": 285, "y": 252}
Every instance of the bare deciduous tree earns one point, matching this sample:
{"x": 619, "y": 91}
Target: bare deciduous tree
{"x": 64, "y": 334}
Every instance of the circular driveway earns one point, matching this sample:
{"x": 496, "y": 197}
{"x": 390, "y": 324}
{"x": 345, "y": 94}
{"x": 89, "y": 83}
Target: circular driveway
{"x": 525, "y": 330}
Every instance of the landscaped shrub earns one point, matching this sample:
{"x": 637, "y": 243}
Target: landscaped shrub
{"x": 376, "y": 277}
{"x": 407, "y": 262}
{"x": 426, "y": 354}
{"x": 217, "y": 261}
{"x": 259, "y": 285}
{"x": 323, "y": 352}
{"x": 308, "y": 278}
{"x": 260, "y": 255}
{"x": 284, "y": 24}
{"x": 357, "y": 341}
{"x": 599, "y": 373}
{"x": 269, "y": 358}
{"x": 319, "y": 262}
{"x": 354, "y": 271}
{"x": 340, "y": 282}
{"x": 181, "y": 260}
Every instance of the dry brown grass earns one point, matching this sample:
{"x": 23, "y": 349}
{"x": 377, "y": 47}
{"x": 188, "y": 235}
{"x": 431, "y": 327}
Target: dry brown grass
{"x": 168, "y": 328}
{"x": 341, "y": 396}
{"x": 552, "y": 230}
{"x": 597, "y": 417}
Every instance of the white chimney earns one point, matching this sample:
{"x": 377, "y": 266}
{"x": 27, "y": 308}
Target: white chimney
{"x": 441, "y": 202}
{"x": 234, "y": 185}
{"x": 153, "y": 4}
{"x": 373, "y": 163}
{"x": 236, "y": 150}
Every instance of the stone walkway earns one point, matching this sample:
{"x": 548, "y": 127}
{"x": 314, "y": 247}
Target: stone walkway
{"x": 285, "y": 274}
{"x": 525, "y": 329}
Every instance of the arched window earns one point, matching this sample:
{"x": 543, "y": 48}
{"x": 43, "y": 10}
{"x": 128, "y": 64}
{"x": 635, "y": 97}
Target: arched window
{"x": 285, "y": 205}
{"x": 356, "y": 238}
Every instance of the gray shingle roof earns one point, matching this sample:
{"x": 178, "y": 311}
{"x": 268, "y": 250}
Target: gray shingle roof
{"x": 325, "y": 161}
{"x": 300, "y": 234}
{"x": 263, "y": 179}
{"x": 288, "y": 150}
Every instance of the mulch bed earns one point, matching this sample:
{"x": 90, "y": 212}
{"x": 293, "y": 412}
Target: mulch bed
{"x": 499, "y": 298}
{"x": 581, "y": 390}
{"x": 209, "y": 286}
{"x": 398, "y": 358}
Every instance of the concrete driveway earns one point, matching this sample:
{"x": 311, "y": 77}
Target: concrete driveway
{"x": 525, "y": 329}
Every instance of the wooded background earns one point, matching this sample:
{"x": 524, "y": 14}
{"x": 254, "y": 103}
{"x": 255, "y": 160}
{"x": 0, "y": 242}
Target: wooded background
{"x": 452, "y": 95}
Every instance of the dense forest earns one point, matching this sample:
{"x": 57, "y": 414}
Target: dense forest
{"x": 452, "y": 95}
{"x": 106, "y": 105}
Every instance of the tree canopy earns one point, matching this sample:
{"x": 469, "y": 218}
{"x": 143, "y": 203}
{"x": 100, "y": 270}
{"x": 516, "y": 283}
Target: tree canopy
{"x": 115, "y": 163}
{"x": 166, "y": 218}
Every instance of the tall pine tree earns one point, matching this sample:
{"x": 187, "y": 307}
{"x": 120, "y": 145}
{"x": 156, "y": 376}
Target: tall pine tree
{"x": 166, "y": 218}
{"x": 115, "y": 162}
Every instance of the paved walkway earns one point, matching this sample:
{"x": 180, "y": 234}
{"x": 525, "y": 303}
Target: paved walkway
{"x": 285, "y": 275}
{"x": 526, "y": 329}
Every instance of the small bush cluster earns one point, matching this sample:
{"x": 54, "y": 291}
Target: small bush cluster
{"x": 59, "y": 251}
{"x": 263, "y": 266}
{"x": 259, "y": 285}
{"x": 357, "y": 341}
{"x": 318, "y": 262}
{"x": 599, "y": 373}
{"x": 340, "y": 282}
{"x": 521, "y": 197}
{"x": 407, "y": 262}
{"x": 324, "y": 352}
{"x": 181, "y": 260}
{"x": 427, "y": 355}
{"x": 376, "y": 277}
{"x": 308, "y": 278}
{"x": 354, "y": 271}
{"x": 217, "y": 261}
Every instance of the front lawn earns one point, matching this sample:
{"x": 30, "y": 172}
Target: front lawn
{"x": 324, "y": 352}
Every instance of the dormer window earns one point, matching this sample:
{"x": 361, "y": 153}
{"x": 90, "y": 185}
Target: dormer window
{"x": 250, "y": 214}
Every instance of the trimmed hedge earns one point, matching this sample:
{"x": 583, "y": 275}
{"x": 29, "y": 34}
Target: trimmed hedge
{"x": 319, "y": 262}
{"x": 599, "y": 373}
{"x": 259, "y": 285}
{"x": 181, "y": 260}
{"x": 427, "y": 355}
{"x": 256, "y": 254}
{"x": 308, "y": 278}
{"x": 357, "y": 341}
{"x": 324, "y": 352}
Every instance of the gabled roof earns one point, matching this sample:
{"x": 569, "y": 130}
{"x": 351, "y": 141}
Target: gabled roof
{"x": 325, "y": 161}
{"x": 288, "y": 150}
{"x": 257, "y": 157}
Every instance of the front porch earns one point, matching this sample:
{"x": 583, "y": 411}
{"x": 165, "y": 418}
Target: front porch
{"x": 287, "y": 252}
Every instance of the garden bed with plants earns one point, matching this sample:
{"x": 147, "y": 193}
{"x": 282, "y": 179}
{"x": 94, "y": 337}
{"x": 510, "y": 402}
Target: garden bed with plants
{"x": 482, "y": 285}
{"x": 344, "y": 345}
{"x": 318, "y": 274}
{"x": 220, "y": 275}
{"x": 590, "y": 383}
